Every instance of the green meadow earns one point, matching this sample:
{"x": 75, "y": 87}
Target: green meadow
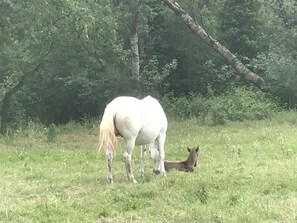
{"x": 246, "y": 172}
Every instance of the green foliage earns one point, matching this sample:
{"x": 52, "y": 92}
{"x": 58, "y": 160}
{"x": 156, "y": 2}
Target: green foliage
{"x": 239, "y": 22}
{"x": 218, "y": 114}
{"x": 77, "y": 50}
{"x": 154, "y": 81}
{"x": 74, "y": 56}
{"x": 51, "y": 132}
{"x": 278, "y": 65}
{"x": 236, "y": 105}
{"x": 243, "y": 103}
{"x": 186, "y": 107}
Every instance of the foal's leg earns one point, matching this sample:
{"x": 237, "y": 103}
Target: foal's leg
{"x": 127, "y": 156}
{"x": 109, "y": 157}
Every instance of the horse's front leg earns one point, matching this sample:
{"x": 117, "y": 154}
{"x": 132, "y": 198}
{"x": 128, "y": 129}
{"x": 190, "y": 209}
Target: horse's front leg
{"x": 109, "y": 157}
{"x": 142, "y": 158}
{"x": 159, "y": 165}
{"x": 127, "y": 156}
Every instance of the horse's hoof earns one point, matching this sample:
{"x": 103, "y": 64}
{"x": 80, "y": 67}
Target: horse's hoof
{"x": 109, "y": 181}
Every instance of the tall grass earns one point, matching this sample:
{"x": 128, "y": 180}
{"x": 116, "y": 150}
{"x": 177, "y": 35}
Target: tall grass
{"x": 246, "y": 173}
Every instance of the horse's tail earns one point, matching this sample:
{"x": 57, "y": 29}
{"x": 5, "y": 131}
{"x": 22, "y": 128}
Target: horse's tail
{"x": 107, "y": 137}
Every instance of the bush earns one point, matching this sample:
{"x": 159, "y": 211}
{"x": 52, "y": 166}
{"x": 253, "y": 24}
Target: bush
{"x": 217, "y": 111}
{"x": 248, "y": 104}
{"x": 185, "y": 107}
{"x": 235, "y": 105}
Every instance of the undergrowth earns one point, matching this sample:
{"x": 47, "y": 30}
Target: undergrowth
{"x": 235, "y": 105}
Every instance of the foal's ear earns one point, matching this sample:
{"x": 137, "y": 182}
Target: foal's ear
{"x": 189, "y": 150}
{"x": 197, "y": 149}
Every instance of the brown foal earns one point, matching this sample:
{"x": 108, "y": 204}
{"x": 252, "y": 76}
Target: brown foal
{"x": 187, "y": 165}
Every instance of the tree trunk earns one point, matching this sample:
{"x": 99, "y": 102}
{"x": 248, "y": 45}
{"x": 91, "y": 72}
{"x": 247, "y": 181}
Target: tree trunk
{"x": 135, "y": 61}
{"x": 135, "y": 56}
{"x": 7, "y": 102}
{"x": 199, "y": 31}
{"x": 134, "y": 40}
{"x": 9, "y": 94}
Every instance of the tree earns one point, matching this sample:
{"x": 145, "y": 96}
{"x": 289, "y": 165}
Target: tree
{"x": 66, "y": 53}
{"x": 240, "y": 27}
{"x": 136, "y": 26}
{"x": 25, "y": 46}
{"x": 199, "y": 31}
{"x": 136, "y": 6}
{"x": 279, "y": 62}
{"x": 199, "y": 68}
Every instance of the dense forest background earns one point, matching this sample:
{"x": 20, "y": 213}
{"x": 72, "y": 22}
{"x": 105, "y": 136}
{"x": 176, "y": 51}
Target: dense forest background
{"x": 64, "y": 60}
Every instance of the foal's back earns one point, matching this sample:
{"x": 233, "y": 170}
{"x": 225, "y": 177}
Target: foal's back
{"x": 187, "y": 165}
{"x": 175, "y": 165}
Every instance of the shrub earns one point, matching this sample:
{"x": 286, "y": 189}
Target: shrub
{"x": 248, "y": 104}
{"x": 217, "y": 111}
{"x": 176, "y": 107}
{"x": 185, "y": 107}
{"x": 235, "y": 105}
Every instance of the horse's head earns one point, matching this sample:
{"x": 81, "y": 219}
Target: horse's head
{"x": 193, "y": 155}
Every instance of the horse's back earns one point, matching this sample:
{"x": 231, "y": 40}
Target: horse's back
{"x": 143, "y": 119}
{"x": 125, "y": 104}
{"x": 152, "y": 112}
{"x": 127, "y": 116}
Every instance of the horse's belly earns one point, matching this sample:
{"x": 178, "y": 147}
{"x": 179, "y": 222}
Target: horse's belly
{"x": 146, "y": 136}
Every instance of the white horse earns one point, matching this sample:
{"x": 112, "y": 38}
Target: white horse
{"x": 139, "y": 122}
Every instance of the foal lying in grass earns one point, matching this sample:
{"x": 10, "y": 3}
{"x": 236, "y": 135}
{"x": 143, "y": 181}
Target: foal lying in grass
{"x": 187, "y": 165}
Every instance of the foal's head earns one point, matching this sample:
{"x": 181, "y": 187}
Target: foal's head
{"x": 193, "y": 156}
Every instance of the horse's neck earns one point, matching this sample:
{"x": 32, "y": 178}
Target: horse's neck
{"x": 190, "y": 161}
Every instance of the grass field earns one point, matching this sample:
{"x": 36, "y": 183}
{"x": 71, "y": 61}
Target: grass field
{"x": 247, "y": 172}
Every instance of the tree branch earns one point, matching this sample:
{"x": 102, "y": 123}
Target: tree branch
{"x": 199, "y": 31}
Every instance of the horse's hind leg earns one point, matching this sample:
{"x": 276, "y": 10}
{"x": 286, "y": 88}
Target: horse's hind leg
{"x": 127, "y": 156}
{"x": 109, "y": 157}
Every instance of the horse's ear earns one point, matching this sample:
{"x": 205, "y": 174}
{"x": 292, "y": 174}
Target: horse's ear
{"x": 189, "y": 150}
{"x": 197, "y": 149}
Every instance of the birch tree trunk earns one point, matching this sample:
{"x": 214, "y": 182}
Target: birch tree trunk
{"x": 199, "y": 31}
{"x": 135, "y": 56}
{"x": 135, "y": 63}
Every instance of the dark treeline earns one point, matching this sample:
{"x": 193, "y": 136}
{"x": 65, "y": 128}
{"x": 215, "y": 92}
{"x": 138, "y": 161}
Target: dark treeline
{"x": 64, "y": 60}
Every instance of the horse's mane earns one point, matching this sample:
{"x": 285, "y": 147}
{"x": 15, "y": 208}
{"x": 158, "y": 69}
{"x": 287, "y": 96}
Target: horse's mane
{"x": 107, "y": 135}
